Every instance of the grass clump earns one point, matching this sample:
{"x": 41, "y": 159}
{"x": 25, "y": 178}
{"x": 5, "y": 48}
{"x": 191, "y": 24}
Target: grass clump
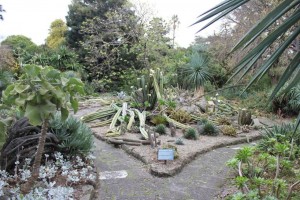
{"x": 191, "y": 134}
{"x": 210, "y": 129}
{"x": 161, "y": 129}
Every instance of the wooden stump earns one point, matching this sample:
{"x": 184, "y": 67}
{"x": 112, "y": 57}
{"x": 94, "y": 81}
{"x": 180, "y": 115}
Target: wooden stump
{"x": 244, "y": 117}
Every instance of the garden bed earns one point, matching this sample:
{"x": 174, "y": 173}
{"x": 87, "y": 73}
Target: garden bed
{"x": 187, "y": 152}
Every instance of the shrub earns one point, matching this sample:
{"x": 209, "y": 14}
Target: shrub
{"x": 229, "y": 130}
{"x": 202, "y": 121}
{"x": 159, "y": 119}
{"x": 191, "y": 134}
{"x": 161, "y": 129}
{"x": 181, "y": 116}
{"x": 279, "y": 134}
{"x": 74, "y": 136}
{"x": 210, "y": 129}
{"x": 223, "y": 121}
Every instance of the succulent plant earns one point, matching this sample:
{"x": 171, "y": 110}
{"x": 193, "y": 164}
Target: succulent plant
{"x": 180, "y": 116}
{"x": 161, "y": 129}
{"x": 159, "y": 119}
{"x": 223, "y": 121}
{"x": 191, "y": 133}
{"x": 229, "y": 130}
{"x": 179, "y": 141}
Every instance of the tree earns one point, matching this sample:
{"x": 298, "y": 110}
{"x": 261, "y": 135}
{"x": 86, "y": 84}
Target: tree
{"x": 57, "y": 31}
{"x": 23, "y": 48}
{"x": 286, "y": 32}
{"x": 108, "y": 43}
{"x": 82, "y": 10}
{"x": 1, "y": 11}
{"x": 175, "y": 23}
{"x": 39, "y": 93}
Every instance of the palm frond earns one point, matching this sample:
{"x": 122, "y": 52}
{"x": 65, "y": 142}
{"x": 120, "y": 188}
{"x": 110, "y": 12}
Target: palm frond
{"x": 288, "y": 12}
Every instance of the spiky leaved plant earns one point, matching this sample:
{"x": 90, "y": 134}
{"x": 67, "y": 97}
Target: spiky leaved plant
{"x": 74, "y": 136}
{"x": 210, "y": 129}
{"x": 287, "y": 12}
{"x": 39, "y": 93}
{"x": 191, "y": 133}
{"x": 195, "y": 73}
{"x": 161, "y": 129}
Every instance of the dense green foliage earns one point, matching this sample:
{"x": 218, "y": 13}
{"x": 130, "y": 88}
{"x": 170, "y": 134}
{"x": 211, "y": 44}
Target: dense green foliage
{"x": 56, "y": 38}
{"x": 161, "y": 129}
{"x": 210, "y": 129}
{"x": 269, "y": 171}
{"x": 39, "y": 92}
{"x": 75, "y": 137}
{"x": 191, "y": 134}
{"x": 23, "y": 48}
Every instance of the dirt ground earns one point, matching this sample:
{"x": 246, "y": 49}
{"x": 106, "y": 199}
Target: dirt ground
{"x": 187, "y": 152}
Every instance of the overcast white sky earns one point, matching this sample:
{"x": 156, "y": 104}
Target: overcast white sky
{"x": 32, "y": 18}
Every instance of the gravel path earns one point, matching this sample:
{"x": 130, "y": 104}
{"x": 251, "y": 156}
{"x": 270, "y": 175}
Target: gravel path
{"x": 199, "y": 180}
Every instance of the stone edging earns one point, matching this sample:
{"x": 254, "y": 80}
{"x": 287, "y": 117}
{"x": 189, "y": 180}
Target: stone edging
{"x": 175, "y": 169}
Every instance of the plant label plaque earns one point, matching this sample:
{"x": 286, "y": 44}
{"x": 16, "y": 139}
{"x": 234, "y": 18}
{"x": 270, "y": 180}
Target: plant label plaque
{"x": 165, "y": 154}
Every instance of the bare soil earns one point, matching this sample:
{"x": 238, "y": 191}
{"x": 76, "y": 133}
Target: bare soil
{"x": 187, "y": 152}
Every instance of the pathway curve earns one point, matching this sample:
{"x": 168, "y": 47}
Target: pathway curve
{"x": 199, "y": 180}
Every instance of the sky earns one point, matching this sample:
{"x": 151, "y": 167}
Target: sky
{"x": 32, "y": 18}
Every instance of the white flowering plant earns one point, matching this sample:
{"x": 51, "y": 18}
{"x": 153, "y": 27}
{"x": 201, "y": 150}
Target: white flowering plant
{"x": 68, "y": 170}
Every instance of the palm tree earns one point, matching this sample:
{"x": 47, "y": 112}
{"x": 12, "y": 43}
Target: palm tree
{"x": 288, "y": 11}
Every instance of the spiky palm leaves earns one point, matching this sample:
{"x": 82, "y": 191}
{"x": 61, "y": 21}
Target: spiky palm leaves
{"x": 288, "y": 11}
{"x": 195, "y": 73}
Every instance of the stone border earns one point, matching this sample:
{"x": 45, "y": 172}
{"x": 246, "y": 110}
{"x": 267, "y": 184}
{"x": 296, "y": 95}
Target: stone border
{"x": 168, "y": 171}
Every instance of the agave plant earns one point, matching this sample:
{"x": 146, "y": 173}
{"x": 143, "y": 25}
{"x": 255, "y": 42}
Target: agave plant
{"x": 287, "y": 11}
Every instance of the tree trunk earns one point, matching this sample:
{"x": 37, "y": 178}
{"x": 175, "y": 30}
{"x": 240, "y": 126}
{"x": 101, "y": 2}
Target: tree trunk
{"x": 199, "y": 92}
{"x": 244, "y": 117}
{"x": 26, "y": 187}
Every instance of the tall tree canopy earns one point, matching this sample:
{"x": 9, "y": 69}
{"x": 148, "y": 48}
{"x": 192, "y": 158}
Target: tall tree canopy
{"x": 23, "y": 48}
{"x": 83, "y": 10}
{"x": 57, "y": 32}
{"x": 1, "y": 11}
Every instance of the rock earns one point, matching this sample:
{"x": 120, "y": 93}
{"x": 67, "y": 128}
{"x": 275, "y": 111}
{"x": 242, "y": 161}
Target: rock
{"x": 87, "y": 190}
{"x": 202, "y": 104}
{"x": 200, "y": 129}
{"x": 267, "y": 122}
{"x": 256, "y": 123}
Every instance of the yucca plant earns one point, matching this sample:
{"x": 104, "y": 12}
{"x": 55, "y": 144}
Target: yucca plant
{"x": 195, "y": 73}
{"x": 287, "y": 11}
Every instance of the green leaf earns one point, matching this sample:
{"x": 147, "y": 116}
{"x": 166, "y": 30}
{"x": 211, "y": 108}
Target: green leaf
{"x": 263, "y": 24}
{"x": 74, "y": 104}
{"x": 33, "y": 114}
{"x": 64, "y": 113}
{"x": 37, "y": 113}
{"x": 21, "y": 88}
